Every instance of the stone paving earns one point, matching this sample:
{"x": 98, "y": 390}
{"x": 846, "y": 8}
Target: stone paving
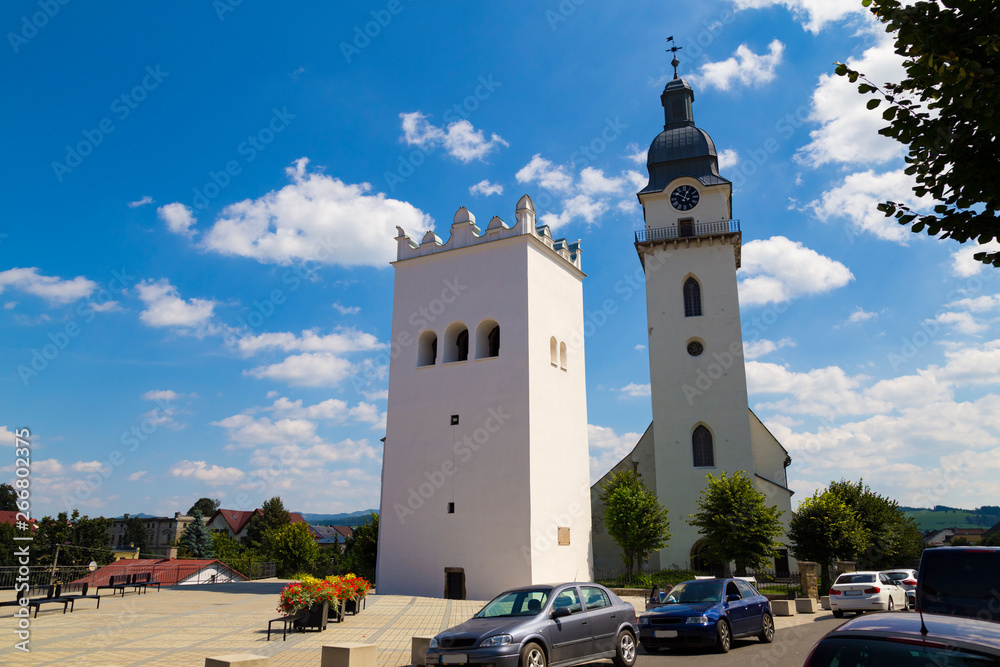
{"x": 182, "y": 625}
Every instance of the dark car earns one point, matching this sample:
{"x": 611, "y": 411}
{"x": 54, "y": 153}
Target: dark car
{"x": 564, "y": 624}
{"x": 897, "y": 640}
{"x": 964, "y": 581}
{"x": 707, "y": 612}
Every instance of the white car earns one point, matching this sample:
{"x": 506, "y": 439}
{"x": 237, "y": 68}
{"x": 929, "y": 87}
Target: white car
{"x": 908, "y": 580}
{"x": 865, "y": 591}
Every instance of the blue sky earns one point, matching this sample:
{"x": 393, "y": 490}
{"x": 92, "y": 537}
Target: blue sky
{"x": 195, "y": 294}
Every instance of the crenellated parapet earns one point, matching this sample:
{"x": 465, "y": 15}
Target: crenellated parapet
{"x": 465, "y": 233}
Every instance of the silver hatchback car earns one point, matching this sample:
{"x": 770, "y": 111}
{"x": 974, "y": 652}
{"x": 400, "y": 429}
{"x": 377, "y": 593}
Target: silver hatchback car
{"x": 556, "y": 625}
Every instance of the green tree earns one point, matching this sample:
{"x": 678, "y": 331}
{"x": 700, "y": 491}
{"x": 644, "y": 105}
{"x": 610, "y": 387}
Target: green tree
{"x": 992, "y": 540}
{"x": 634, "y": 517}
{"x": 196, "y": 540}
{"x": 361, "y": 548}
{"x": 825, "y": 529}
{"x": 737, "y": 523}
{"x": 8, "y": 498}
{"x": 8, "y": 545}
{"x": 292, "y": 548}
{"x": 273, "y": 516}
{"x": 944, "y": 111}
{"x": 960, "y": 541}
{"x": 207, "y": 507}
{"x": 135, "y": 534}
{"x": 80, "y": 538}
{"x": 894, "y": 539}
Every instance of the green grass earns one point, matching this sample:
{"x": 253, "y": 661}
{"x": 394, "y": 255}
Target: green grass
{"x": 936, "y": 520}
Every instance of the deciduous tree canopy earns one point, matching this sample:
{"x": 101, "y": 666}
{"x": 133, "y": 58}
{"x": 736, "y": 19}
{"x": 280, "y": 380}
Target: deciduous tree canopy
{"x": 634, "y": 517}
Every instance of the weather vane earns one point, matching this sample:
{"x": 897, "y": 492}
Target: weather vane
{"x": 674, "y": 49}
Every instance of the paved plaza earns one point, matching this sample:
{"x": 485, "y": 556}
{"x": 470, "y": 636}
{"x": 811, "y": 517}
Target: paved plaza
{"x": 182, "y": 625}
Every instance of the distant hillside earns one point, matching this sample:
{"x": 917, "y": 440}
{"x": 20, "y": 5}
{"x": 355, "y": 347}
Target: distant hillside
{"x": 353, "y": 519}
{"x": 953, "y": 517}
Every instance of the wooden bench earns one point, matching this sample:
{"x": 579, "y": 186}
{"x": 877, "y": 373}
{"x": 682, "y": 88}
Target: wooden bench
{"x": 145, "y": 579}
{"x": 45, "y": 596}
{"x": 117, "y": 582}
{"x": 287, "y": 621}
{"x": 68, "y": 592}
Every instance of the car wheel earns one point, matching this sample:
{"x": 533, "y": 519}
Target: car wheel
{"x": 532, "y": 655}
{"x": 723, "y": 637}
{"x": 837, "y": 613}
{"x": 892, "y": 604}
{"x": 625, "y": 649}
{"x": 766, "y": 628}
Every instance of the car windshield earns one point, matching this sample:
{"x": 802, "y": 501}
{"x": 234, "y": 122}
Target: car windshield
{"x": 856, "y": 579}
{"x": 844, "y": 652}
{"x": 695, "y": 591}
{"x": 515, "y": 603}
{"x": 897, "y": 576}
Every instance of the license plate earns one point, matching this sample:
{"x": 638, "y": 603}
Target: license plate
{"x": 852, "y": 593}
{"x": 665, "y": 634}
{"x": 454, "y": 658}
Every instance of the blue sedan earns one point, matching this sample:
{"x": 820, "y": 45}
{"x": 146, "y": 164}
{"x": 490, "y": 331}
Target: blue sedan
{"x": 707, "y": 612}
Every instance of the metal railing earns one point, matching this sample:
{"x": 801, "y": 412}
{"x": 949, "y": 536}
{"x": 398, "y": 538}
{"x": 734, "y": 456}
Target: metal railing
{"x": 687, "y": 231}
{"x": 780, "y": 584}
{"x": 41, "y": 575}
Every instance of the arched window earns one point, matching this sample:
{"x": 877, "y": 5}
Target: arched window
{"x": 487, "y": 340}
{"x": 562, "y": 356}
{"x": 701, "y": 448}
{"x": 427, "y": 349}
{"x": 554, "y": 351}
{"x": 692, "y": 298}
{"x": 456, "y": 343}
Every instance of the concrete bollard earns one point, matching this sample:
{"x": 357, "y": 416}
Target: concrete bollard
{"x": 805, "y": 605}
{"x": 237, "y": 660}
{"x": 824, "y": 602}
{"x": 348, "y": 655}
{"x": 783, "y": 607}
{"x": 418, "y": 650}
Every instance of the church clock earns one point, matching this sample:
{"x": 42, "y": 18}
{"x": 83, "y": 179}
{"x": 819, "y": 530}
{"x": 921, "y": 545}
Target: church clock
{"x": 684, "y": 197}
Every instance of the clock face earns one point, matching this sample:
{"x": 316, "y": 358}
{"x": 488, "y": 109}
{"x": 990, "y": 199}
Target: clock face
{"x": 684, "y": 198}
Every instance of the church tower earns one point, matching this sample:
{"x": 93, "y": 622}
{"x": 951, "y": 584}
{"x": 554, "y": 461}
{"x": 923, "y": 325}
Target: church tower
{"x": 485, "y": 474}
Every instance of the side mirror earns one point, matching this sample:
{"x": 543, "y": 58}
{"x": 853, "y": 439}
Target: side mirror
{"x": 732, "y": 597}
{"x": 561, "y": 612}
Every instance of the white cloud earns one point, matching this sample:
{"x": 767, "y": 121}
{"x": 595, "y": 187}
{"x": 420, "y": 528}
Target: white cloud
{"x": 861, "y": 315}
{"x": 485, "y": 188}
{"x": 316, "y": 369}
{"x": 161, "y": 395}
{"x": 165, "y": 307}
{"x": 979, "y": 304}
{"x": 339, "y": 341}
{"x": 54, "y": 290}
{"x": 744, "y": 67}
{"x": 315, "y": 217}
{"x": 607, "y": 448}
{"x": 594, "y": 182}
{"x": 964, "y": 266}
{"x": 636, "y": 153}
{"x": 580, "y": 206}
{"x": 141, "y": 202}
{"x": 244, "y": 430}
{"x": 759, "y": 348}
{"x": 814, "y": 14}
{"x": 541, "y": 171}
{"x": 136, "y": 475}
{"x": 87, "y": 466}
{"x": 633, "y": 390}
{"x": 728, "y": 158}
{"x": 106, "y": 307}
{"x": 856, "y": 201}
{"x": 639, "y": 348}
{"x": 347, "y": 310}
{"x": 331, "y": 409}
{"x": 848, "y": 131}
{"x": 460, "y": 139}
{"x": 777, "y": 269}
{"x": 963, "y": 323}
{"x": 178, "y": 217}
{"x": 200, "y": 470}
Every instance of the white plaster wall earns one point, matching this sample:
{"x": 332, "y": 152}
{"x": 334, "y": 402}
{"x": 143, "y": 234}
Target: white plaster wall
{"x": 714, "y": 205}
{"x": 768, "y": 454}
{"x": 560, "y": 461}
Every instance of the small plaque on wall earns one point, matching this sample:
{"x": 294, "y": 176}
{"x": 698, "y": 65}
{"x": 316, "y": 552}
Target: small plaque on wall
{"x": 563, "y": 536}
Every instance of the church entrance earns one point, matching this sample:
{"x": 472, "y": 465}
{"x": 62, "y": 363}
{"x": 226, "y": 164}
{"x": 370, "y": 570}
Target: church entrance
{"x": 454, "y": 583}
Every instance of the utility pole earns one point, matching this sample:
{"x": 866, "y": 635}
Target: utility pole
{"x": 55, "y": 561}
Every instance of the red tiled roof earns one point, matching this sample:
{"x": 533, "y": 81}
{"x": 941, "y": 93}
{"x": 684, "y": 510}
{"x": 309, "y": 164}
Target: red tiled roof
{"x": 10, "y": 516}
{"x": 167, "y": 571}
{"x": 236, "y": 519}
{"x": 295, "y": 517}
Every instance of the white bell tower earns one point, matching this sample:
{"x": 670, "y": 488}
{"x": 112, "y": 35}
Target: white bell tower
{"x": 485, "y": 475}
{"x": 690, "y": 250}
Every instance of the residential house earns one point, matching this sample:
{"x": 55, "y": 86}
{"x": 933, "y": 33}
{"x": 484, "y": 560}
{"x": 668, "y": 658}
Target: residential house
{"x": 161, "y": 532}
{"x": 234, "y": 522}
{"x": 944, "y": 536}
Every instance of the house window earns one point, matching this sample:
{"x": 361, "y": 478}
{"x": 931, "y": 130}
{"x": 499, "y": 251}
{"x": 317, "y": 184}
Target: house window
{"x": 554, "y": 351}
{"x": 451, "y": 508}
{"x": 562, "y": 356}
{"x": 488, "y": 340}
{"x": 692, "y": 298}
{"x": 456, "y": 343}
{"x": 428, "y": 348}
{"x": 685, "y": 227}
{"x": 701, "y": 448}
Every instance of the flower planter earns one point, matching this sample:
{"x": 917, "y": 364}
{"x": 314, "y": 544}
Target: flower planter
{"x": 354, "y": 605}
{"x": 316, "y": 618}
